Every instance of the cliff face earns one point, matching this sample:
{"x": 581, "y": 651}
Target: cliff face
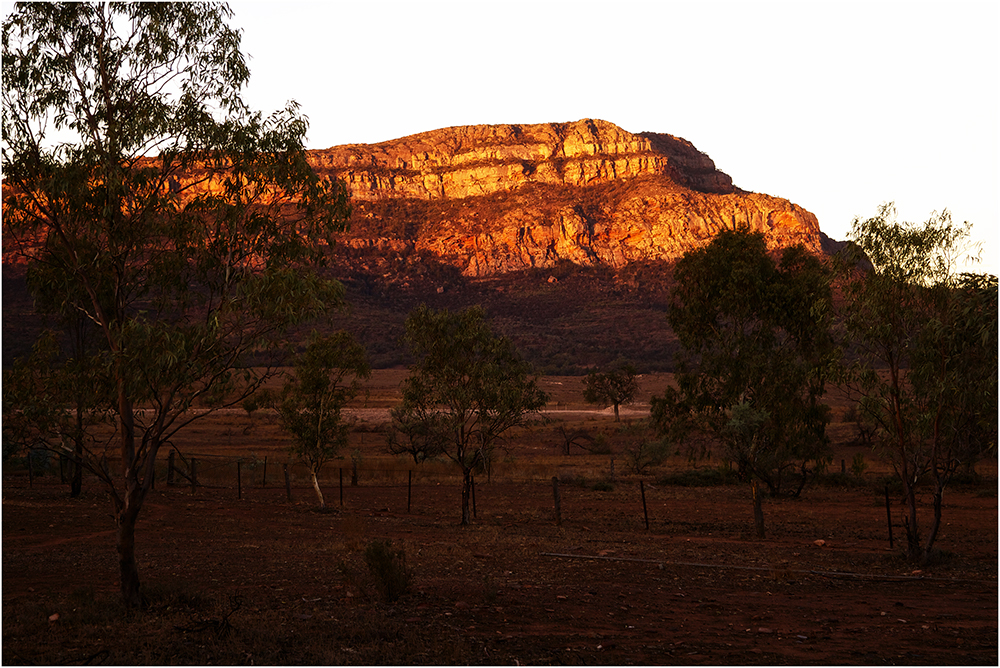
{"x": 491, "y": 199}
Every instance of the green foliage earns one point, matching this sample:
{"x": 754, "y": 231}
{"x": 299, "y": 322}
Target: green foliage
{"x": 933, "y": 334}
{"x": 468, "y": 387}
{"x": 327, "y": 376}
{"x": 756, "y": 352}
{"x": 858, "y": 465}
{"x": 388, "y": 567}
{"x": 165, "y": 213}
{"x": 641, "y": 448}
{"x": 615, "y": 387}
{"x": 701, "y": 477}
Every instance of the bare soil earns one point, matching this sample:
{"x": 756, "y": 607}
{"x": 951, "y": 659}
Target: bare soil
{"x": 260, "y": 580}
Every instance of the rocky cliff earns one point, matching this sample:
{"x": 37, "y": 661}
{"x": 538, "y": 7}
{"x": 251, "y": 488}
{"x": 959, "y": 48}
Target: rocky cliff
{"x": 490, "y": 199}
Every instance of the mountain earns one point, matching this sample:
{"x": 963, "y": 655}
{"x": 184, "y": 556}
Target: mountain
{"x": 565, "y": 233}
{"x": 492, "y": 199}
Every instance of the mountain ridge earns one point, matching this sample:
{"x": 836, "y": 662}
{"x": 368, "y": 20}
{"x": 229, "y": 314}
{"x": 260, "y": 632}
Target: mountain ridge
{"x": 491, "y": 199}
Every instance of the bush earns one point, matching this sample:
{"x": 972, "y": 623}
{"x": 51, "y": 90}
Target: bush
{"x": 704, "y": 477}
{"x": 859, "y": 465}
{"x": 603, "y": 486}
{"x": 838, "y": 479}
{"x": 573, "y": 479}
{"x": 643, "y": 454}
{"x": 388, "y": 567}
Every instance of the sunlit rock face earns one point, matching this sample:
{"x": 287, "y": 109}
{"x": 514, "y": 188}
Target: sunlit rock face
{"x": 490, "y": 199}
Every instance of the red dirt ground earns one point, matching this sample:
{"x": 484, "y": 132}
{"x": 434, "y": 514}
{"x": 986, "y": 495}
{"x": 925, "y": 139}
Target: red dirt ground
{"x": 515, "y": 587}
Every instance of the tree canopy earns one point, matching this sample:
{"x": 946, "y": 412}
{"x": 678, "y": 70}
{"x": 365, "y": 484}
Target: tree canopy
{"x": 755, "y": 353}
{"x": 614, "y": 387}
{"x": 149, "y": 201}
{"x": 933, "y": 332}
{"x": 468, "y": 387}
{"x": 327, "y": 376}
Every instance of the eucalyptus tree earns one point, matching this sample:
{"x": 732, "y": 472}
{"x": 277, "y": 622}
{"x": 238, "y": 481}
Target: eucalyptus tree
{"x": 615, "y": 387}
{"x": 755, "y": 354}
{"x": 327, "y": 376}
{"x": 184, "y": 221}
{"x": 925, "y": 340}
{"x": 468, "y": 387}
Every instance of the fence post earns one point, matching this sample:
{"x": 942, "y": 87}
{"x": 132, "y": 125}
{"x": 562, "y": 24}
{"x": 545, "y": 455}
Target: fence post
{"x": 645, "y": 513}
{"x": 31, "y": 470}
{"x": 170, "y": 468}
{"x": 194, "y": 475}
{"x": 555, "y": 496}
{"x": 888, "y": 514}
{"x": 263, "y": 482}
{"x": 341, "y": 471}
{"x": 612, "y": 469}
{"x": 409, "y": 488}
{"x": 239, "y": 480}
{"x": 843, "y": 466}
{"x": 473, "y": 481}
{"x": 288, "y": 483}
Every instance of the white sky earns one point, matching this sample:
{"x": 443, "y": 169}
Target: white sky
{"x": 837, "y": 106}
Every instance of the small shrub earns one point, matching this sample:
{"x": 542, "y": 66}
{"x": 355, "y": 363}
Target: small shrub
{"x": 703, "y": 477}
{"x": 838, "y": 479}
{"x": 859, "y": 465}
{"x": 603, "y": 486}
{"x": 641, "y": 455}
{"x": 388, "y": 567}
{"x": 600, "y": 446}
{"x": 573, "y": 479}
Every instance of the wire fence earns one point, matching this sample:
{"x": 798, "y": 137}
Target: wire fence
{"x": 239, "y": 476}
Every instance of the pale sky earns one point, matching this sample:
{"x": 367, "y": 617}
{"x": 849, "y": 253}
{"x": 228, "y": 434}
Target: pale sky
{"x": 836, "y": 106}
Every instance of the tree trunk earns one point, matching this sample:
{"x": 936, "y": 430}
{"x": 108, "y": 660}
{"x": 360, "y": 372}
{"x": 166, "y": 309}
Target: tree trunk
{"x": 125, "y": 543}
{"x": 76, "y": 485}
{"x": 131, "y": 502}
{"x": 758, "y": 511}
{"x": 935, "y": 523}
{"x": 616, "y": 413}
{"x": 466, "y": 493}
{"x": 319, "y": 493}
{"x": 910, "y": 523}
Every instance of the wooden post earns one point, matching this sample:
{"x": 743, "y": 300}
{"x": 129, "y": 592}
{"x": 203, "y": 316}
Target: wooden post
{"x": 843, "y": 466}
{"x": 409, "y": 489}
{"x": 194, "y": 475}
{"x": 612, "y": 469}
{"x": 555, "y": 496}
{"x": 288, "y": 483}
{"x": 888, "y": 514}
{"x": 31, "y": 471}
{"x": 473, "y": 481}
{"x": 263, "y": 481}
{"x": 645, "y": 513}
{"x": 239, "y": 480}
{"x": 170, "y": 468}
{"x": 341, "y": 471}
